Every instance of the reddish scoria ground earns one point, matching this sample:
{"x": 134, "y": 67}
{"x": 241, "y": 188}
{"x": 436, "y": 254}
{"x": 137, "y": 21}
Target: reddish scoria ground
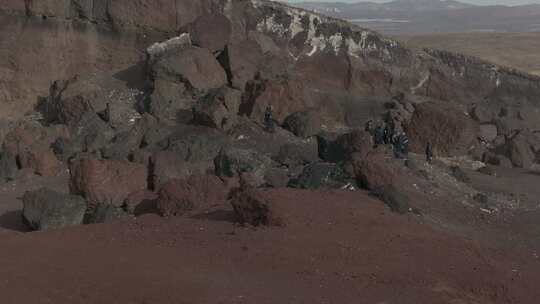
{"x": 338, "y": 247}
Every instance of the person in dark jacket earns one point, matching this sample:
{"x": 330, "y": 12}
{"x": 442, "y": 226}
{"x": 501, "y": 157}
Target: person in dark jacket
{"x": 389, "y": 131}
{"x": 378, "y": 135}
{"x": 268, "y": 119}
{"x": 369, "y": 127}
{"x": 401, "y": 145}
{"x": 429, "y": 152}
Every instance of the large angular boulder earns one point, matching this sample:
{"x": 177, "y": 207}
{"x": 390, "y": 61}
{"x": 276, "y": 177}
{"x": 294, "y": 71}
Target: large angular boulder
{"x": 170, "y": 101}
{"x": 141, "y": 202}
{"x": 211, "y": 31}
{"x": 449, "y": 130}
{"x": 496, "y": 160}
{"x": 180, "y": 74}
{"x": 125, "y": 143}
{"x": 488, "y": 132}
{"x": 45, "y": 209}
{"x": 375, "y": 171}
{"x": 179, "y": 196}
{"x": 242, "y": 60}
{"x": 323, "y": 176}
{"x": 298, "y": 154}
{"x": 104, "y": 213}
{"x": 330, "y": 150}
{"x": 520, "y": 152}
{"x": 24, "y": 135}
{"x": 338, "y": 148}
{"x": 106, "y": 181}
{"x": 89, "y": 134}
{"x": 196, "y": 68}
{"x": 483, "y": 114}
{"x": 303, "y": 124}
{"x": 102, "y": 94}
{"x": 281, "y": 146}
{"x": 167, "y": 165}
{"x": 255, "y": 208}
{"x": 188, "y": 151}
{"x": 8, "y": 166}
{"x": 357, "y": 141}
{"x": 232, "y": 162}
{"x": 218, "y": 109}
{"x": 41, "y": 160}
{"x": 29, "y": 143}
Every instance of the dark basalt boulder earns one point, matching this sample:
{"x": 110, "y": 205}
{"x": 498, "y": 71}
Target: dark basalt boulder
{"x": 70, "y": 100}
{"x": 253, "y": 207}
{"x": 211, "y": 31}
{"x": 449, "y": 130}
{"x": 196, "y": 68}
{"x": 303, "y": 124}
{"x": 46, "y": 209}
{"x": 8, "y": 166}
{"x": 233, "y": 162}
{"x": 104, "y": 213}
{"x": 296, "y": 154}
{"x": 376, "y": 170}
{"x": 179, "y": 196}
{"x": 218, "y": 109}
{"x": 41, "y": 160}
{"x": 460, "y": 174}
{"x": 323, "y": 176}
{"x": 520, "y": 151}
{"x": 141, "y": 202}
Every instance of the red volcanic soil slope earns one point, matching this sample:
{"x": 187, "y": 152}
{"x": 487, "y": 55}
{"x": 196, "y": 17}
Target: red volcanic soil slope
{"x": 337, "y": 247}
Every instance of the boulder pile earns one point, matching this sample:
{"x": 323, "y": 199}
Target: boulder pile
{"x": 195, "y": 124}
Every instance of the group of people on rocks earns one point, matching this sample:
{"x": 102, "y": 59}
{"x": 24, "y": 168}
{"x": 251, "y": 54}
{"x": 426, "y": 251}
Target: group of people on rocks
{"x": 386, "y": 134}
{"x": 383, "y": 134}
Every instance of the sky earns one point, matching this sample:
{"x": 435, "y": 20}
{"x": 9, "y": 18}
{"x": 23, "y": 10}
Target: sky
{"x": 478, "y": 2}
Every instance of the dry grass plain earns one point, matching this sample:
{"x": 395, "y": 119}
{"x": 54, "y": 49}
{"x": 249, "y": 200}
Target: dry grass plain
{"x": 516, "y": 50}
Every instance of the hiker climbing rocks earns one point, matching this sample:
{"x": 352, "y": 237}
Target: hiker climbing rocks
{"x": 401, "y": 145}
{"x": 429, "y": 152}
{"x": 268, "y": 119}
{"x": 389, "y": 132}
{"x": 378, "y": 135}
{"x": 369, "y": 127}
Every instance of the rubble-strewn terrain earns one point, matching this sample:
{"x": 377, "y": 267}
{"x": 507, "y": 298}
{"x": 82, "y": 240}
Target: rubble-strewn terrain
{"x": 217, "y": 152}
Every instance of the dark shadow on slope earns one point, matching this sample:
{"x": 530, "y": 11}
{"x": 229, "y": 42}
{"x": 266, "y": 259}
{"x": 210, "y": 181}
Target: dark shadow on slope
{"x": 218, "y": 216}
{"x": 134, "y": 76}
{"x": 12, "y": 220}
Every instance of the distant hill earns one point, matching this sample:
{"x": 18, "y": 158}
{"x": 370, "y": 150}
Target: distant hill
{"x": 432, "y": 16}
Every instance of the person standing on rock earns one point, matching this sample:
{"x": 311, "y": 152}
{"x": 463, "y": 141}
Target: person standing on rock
{"x": 268, "y": 119}
{"x": 429, "y": 152}
{"x": 369, "y": 127}
{"x": 389, "y": 131}
{"x": 401, "y": 145}
{"x": 378, "y": 135}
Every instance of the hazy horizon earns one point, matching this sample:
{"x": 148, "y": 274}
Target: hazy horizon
{"x": 476, "y": 2}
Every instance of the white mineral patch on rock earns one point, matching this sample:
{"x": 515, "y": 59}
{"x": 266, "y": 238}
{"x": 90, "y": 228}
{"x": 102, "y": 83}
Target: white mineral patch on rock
{"x": 318, "y": 42}
{"x": 159, "y": 48}
{"x": 421, "y": 84}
